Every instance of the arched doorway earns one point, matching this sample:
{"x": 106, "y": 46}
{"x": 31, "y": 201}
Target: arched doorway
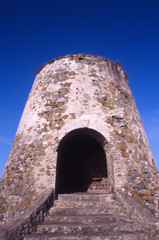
{"x": 81, "y": 162}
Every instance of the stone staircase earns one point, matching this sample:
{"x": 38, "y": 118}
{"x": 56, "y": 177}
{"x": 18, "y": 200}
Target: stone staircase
{"x": 89, "y": 216}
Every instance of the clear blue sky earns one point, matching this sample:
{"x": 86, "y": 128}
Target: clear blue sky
{"x": 35, "y": 31}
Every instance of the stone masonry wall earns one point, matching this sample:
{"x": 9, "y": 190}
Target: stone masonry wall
{"x": 72, "y": 92}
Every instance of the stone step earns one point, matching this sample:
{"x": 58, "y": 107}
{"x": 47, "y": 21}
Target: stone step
{"x": 84, "y": 211}
{"x": 89, "y": 216}
{"x": 89, "y": 228}
{"x": 123, "y": 235}
{"x": 81, "y": 203}
{"x": 85, "y": 219}
{"x": 85, "y": 197}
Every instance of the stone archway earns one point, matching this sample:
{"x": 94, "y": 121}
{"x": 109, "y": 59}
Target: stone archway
{"x": 81, "y": 162}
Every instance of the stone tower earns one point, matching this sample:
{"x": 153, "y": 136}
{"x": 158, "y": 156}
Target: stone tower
{"x": 80, "y": 131}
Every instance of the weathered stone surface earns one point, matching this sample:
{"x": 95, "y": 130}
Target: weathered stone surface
{"x": 96, "y": 216}
{"x": 76, "y": 95}
{"x": 23, "y": 224}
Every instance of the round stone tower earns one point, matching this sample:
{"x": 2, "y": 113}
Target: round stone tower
{"x": 80, "y": 131}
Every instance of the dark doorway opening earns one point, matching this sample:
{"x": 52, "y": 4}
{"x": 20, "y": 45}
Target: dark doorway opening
{"x": 81, "y": 159}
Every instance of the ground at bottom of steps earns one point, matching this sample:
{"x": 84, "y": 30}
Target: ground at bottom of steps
{"x": 138, "y": 235}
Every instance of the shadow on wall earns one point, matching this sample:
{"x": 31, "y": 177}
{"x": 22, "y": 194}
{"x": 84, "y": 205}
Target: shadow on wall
{"x": 81, "y": 158}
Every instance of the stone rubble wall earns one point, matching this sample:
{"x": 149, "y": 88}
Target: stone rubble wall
{"x": 34, "y": 214}
{"x": 136, "y": 211}
{"x": 72, "y": 92}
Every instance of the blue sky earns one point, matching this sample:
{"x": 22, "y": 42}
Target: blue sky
{"x": 34, "y": 31}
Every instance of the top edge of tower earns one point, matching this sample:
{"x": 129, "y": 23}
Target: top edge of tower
{"x": 83, "y": 56}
